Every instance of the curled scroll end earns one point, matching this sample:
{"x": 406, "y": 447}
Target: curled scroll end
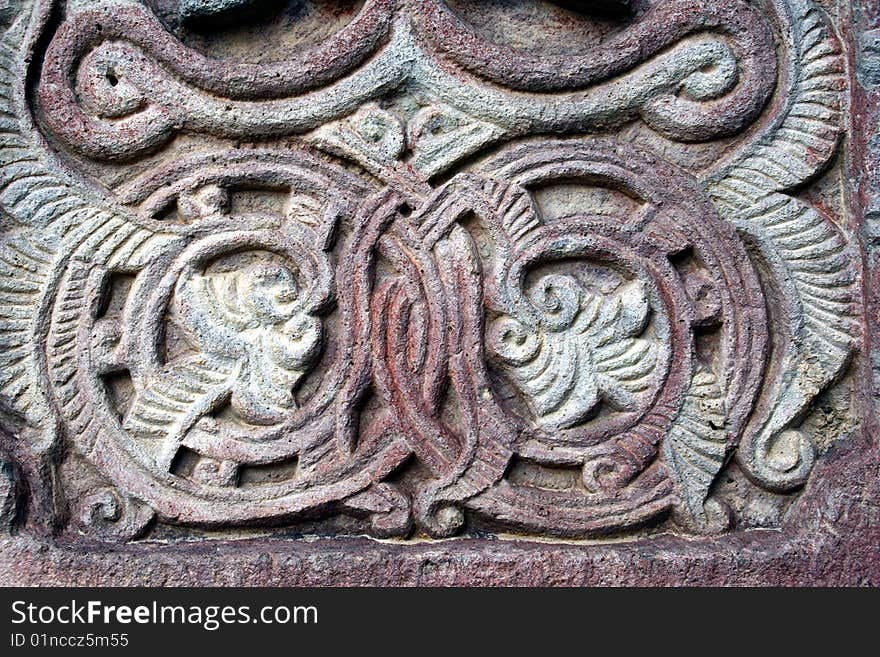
{"x": 779, "y": 462}
{"x": 608, "y": 473}
{"x": 714, "y": 518}
{"x": 389, "y": 510}
{"x": 438, "y": 518}
{"x": 111, "y": 516}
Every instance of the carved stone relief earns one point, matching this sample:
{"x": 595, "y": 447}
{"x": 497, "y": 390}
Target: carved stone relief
{"x": 421, "y": 269}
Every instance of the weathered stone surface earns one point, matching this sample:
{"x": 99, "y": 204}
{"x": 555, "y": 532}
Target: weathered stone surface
{"x": 587, "y": 288}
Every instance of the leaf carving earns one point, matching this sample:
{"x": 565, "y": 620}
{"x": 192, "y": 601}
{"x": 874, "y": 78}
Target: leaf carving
{"x": 175, "y": 399}
{"x": 697, "y": 444}
{"x": 24, "y": 267}
{"x": 257, "y": 319}
{"x": 807, "y": 257}
{"x": 594, "y": 354}
{"x": 57, "y": 218}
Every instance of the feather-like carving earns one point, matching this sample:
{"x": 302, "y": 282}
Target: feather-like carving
{"x": 175, "y": 399}
{"x": 810, "y": 261}
{"x": 24, "y": 267}
{"x": 592, "y": 354}
{"x": 55, "y": 219}
{"x": 805, "y": 134}
{"x": 696, "y": 446}
{"x": 28, "y": 193}
{"x": 31, "y": 192}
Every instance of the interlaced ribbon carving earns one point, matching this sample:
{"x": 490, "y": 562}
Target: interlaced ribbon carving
{"x": 362, "y": 280}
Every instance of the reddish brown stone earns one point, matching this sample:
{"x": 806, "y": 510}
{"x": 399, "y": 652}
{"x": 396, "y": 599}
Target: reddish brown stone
{"x": 588, "y": 289}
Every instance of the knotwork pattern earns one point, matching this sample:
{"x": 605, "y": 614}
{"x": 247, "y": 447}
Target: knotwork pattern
{"x": 403, "y": 273}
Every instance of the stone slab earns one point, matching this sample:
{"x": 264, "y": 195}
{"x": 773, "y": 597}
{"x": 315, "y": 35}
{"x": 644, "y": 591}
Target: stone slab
{"x": 440, "y": 293}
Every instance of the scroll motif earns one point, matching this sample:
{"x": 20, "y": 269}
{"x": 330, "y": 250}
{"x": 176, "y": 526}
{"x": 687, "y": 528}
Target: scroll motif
{"x": 804, "y": 250}
{"x": 359, "y": 284}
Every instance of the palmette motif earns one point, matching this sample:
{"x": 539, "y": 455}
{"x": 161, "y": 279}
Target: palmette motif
{"x": 592, "y": 355}
{"x": 361, "y": 281}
